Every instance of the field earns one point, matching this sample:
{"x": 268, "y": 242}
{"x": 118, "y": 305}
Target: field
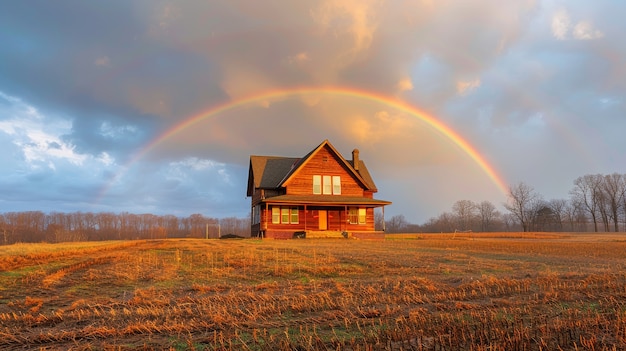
{"x": 507, "y": 291}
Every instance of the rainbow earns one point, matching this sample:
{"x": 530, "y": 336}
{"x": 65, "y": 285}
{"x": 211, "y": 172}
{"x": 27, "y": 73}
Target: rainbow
{"x": 269, "y": 95}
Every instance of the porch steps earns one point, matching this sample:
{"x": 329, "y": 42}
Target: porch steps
{"x": 323, "y": 234}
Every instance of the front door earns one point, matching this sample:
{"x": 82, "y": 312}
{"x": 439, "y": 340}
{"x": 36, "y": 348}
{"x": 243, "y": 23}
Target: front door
{"x": 323, "y": 219}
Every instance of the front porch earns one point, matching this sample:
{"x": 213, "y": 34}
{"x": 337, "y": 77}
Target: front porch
{"x": 322, "y": 234}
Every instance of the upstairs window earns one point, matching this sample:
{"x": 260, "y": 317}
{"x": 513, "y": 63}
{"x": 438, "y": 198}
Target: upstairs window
{"x": 327, "y": 185}
{"x": 317, "y": 184}
{"x": 336, "y": 185}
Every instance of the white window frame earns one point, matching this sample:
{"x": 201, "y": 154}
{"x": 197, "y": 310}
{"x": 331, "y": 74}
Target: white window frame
{"x": 275, "y": 215}
{"x": 327, "y": 185}
{"x": 317, "y": 184}
{"x": 353, "y": 215}
{"x": 336, "y": 185}
{"x": 285, "y": 215}
{"x": 294, "y": 215}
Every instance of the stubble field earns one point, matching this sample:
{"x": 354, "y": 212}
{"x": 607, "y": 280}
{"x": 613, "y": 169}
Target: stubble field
{"x": 507, "y": 291}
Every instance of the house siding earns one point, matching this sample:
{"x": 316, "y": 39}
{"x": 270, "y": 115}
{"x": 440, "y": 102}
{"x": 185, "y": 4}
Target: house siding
{"x": 323, "y": 163}
{"x": 298, "y": 183}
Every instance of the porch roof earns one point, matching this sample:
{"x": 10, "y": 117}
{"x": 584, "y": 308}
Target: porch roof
{"x": 325, "y": 200}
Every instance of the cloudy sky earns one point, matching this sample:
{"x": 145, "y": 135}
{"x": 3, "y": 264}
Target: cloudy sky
{"x": 91, "y": 92}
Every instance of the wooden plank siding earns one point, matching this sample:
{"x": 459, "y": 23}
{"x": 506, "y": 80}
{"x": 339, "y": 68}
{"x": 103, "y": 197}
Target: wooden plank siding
{"x": 323, "y": 163}
{"x": 309, "y": 219}
{"x": 287, "y": 182}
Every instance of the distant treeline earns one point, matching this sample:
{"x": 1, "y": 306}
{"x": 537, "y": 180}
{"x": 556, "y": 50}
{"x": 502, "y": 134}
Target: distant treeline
{"x": 36, "y": 226}
{"x": 596, "y": 202}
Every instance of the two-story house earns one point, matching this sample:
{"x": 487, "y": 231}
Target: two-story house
{"x": 319, "y": 195}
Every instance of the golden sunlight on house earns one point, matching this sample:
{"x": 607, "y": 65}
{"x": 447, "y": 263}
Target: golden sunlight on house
{"x": 319, "y": 195}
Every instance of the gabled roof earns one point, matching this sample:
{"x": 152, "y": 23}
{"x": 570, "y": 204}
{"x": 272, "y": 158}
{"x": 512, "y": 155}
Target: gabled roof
{"x": 271, "y": 172}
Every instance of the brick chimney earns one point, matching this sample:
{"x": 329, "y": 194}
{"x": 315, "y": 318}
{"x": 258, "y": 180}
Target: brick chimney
{"x": 355, "y": 159}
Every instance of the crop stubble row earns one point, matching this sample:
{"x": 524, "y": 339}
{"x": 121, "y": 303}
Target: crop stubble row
{"x": 324, "y": 294}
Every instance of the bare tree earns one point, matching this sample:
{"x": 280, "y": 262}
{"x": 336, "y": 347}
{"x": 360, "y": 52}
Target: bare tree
{"x": 614, "y": 187}
{"x": 559, "y": 212}
{"x": 587, "y": 192}
{"x": 379, "y": 220}
{"x": 465, "y": 213}
{"x": 488, "y": 214}
{"x": 397, "y": 224}
{"x": 521, "y": 203}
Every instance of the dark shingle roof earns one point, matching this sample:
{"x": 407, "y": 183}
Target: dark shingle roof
{"x": 269, "y": 172}
{"x": 365, "y": 174}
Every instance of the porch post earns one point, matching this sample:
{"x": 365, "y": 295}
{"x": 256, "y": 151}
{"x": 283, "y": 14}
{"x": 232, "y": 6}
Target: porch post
{"x": 384, "y": 229}
{"x": 305, "y": 217}
{"x": 265, "y": 219}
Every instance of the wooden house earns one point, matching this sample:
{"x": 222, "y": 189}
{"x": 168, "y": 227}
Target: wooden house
{"x": 319, "y": 195}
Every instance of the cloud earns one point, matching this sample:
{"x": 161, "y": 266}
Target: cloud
{"x": 584, "y": 30}
{"x": 38, "y": 137}
{"x": 405, "y": 84}
{"x": 299, "y": 58}
{"x": 464, "y": 87}
{"x": 561, "y": 24}
{"x": 355, "y": 19}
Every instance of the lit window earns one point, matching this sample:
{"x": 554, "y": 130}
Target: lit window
{"x": 353, "y": 215}
{"x": 336, "y": 185}
{"x": 317, "y": 184}
{"x": 284, "y": 215}
{"x": 275, "y": 215}
{"x": 294, "y": 215}
{"x": 328, "y": 185}
{"x": 362, "y": 216}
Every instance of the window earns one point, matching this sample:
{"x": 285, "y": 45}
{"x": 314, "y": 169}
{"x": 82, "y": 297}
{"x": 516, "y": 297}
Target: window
{"x": 294, "y": 215}
{"x": 336, "y": 185}
{"x": 275, "y": 215}
{"x": 362, "y": 215}
{"x": 328, "y": 185}
{"x": 353, "y": 215}
{"x": 317, "y": 184}
{"x": 285, "y": 215}
{"x": 357, "y": 215}
{"x": 256, "y": 214}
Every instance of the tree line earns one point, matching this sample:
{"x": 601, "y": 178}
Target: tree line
{"x": 596, "y": 203}
{"x": 36, "y": 226}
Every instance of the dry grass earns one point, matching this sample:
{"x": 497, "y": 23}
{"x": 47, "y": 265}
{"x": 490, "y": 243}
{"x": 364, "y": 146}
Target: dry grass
{"x": 409, "y": 292}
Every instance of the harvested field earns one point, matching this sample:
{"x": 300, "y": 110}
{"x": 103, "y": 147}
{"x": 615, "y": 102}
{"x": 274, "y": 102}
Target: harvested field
{"x": 507, "y": 291}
